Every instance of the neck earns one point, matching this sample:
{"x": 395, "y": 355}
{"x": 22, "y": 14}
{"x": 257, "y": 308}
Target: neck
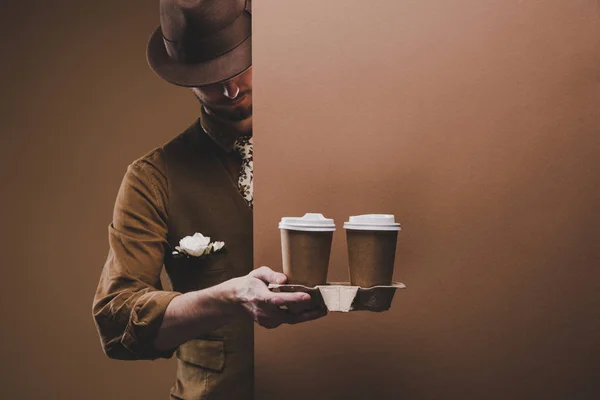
{"x": 224, "y": 132}
{"x": 241, "y": 127}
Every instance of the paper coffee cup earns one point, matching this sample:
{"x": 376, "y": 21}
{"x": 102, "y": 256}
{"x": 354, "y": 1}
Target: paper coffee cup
{"x": 306, "y": 247}
{"x": 371, "y": 240}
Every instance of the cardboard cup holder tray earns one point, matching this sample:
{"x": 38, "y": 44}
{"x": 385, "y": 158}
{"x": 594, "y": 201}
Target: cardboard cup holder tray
{"x": 342, "y": 297}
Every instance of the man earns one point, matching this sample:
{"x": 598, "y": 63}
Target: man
{"x": 199, "y": 182}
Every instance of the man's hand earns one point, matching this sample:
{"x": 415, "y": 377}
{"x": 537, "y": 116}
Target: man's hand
{"x": 199, "y": 312}
{"x": 251, "y": 292}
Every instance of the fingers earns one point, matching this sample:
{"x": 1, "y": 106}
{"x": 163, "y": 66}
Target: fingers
{"x": 267, "y": 275}
{"x": 268, "y": 306}
{"x": 278, "y": 299}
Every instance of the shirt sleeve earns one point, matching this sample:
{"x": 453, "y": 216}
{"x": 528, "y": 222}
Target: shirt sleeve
{"x": 130, "y": 303}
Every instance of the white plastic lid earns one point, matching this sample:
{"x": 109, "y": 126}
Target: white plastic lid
{"x": 311, "y": 222}
{"x": 373, "y": 222}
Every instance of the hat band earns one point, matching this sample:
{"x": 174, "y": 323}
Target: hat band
{"x": 193, "y": 47}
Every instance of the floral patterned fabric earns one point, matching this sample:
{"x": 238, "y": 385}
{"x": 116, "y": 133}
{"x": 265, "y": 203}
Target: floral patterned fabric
{"x": 243, "y": 146}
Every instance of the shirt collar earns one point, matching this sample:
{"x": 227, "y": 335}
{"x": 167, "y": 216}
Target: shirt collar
{"x": 223, "y": 132}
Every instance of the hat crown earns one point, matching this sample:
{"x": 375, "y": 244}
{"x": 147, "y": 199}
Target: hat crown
{"x": 200, "y": 16}
{"x": 201, "y": 42}
{"x": 200, "y": 30}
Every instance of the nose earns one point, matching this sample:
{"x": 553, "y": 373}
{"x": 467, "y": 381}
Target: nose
{"x": 231, "y": 89}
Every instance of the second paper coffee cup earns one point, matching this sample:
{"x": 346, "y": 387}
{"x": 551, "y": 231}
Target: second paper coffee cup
{"x": 371, "y": 249}
{"x": 306, "y": 247}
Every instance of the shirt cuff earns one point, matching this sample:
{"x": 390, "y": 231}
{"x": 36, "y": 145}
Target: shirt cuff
{"x": 144, "y": 323}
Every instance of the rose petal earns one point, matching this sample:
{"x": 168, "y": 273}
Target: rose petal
{"x": 208, "y": 249}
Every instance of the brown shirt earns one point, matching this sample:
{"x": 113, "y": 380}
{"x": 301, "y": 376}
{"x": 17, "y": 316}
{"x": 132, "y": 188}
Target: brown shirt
{"x": 130, "y": 292}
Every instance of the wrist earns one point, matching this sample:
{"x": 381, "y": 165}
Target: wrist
{"x": 228, "y": 295}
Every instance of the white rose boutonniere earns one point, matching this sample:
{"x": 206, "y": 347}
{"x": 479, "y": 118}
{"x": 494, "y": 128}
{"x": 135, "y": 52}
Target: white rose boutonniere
{"x": 198, "y": 246}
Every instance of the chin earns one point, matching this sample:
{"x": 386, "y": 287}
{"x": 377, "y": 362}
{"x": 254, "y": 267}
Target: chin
{"x": 242, "y": 113}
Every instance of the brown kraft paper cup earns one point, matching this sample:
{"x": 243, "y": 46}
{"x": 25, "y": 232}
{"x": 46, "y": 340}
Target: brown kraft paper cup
{"x": 371, "y": 240}
{"x": 306, "y": 256}
{"x": 306, "y": 246}
{"x": 371, "y": 257}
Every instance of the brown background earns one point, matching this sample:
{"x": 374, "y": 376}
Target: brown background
{"x": 475, "y": 122}
{"x": 79, "y": 105}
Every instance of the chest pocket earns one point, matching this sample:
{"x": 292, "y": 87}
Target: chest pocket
{"x": 211, "y": 263}
{"x": 193, "y": 273}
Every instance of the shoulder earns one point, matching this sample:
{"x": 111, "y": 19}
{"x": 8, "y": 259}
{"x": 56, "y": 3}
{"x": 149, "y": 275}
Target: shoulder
{"x": 190, "y": 142}
{"x": 147, "y": 176}
{"x": 155, "y": 162}
{"x": 154, "y": 168}
{"x": 144, "y": 183}
{"x": 151, "y": 164}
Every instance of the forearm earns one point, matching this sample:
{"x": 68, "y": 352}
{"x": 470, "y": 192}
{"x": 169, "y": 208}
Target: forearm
{"x": 196, "y": 313}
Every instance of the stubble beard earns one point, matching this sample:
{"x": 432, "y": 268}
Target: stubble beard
{"x": 234, "y": 114}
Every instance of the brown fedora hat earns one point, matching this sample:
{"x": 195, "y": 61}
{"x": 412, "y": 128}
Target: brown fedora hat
{"x": 201, "y": 42}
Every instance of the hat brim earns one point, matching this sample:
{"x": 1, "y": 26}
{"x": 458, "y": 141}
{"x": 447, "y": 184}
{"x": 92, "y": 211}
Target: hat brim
{"x": 217, "y": 70}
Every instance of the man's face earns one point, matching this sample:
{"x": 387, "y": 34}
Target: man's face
{"x": 231, "y": 99}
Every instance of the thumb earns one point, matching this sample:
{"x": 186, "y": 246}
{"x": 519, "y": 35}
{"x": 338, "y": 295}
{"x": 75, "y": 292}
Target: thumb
{"x": 267, "y": 275}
